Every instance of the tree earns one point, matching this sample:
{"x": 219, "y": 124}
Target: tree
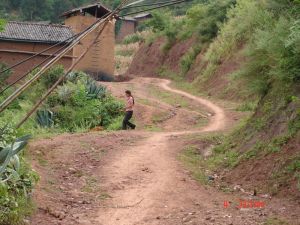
{"x": 36, "y": 9}
{"x": 2, "y": 24}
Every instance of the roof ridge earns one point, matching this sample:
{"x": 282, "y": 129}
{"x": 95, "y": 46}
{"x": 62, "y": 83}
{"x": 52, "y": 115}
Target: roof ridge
{"x": 85, "y": 6}
{"x": 38, "y": 23}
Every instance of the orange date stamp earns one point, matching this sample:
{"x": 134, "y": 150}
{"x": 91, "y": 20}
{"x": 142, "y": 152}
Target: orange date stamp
{"x": 246, "y": 204}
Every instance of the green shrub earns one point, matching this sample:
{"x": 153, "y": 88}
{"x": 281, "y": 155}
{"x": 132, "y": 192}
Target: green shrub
{"x": 3, "y": 76}
{"x": 116, "y": 123}
{"x": 7, "y": 134}
{"x": 16, "y": 180}
{"x": 242, "y": 21}
{"x": 159, "y": 21}
{"x": 52, "y": 75}
{"x": 75, "y": 76}
{"x": 2, "y": 24}
{"x": 64, "y": 93}
{"x": 188, "y": 59}
{"x": 15, "y": 203}
{"x": 110, "y": 109}
{"x": 83, "y": 105}
{"x": 247, "y": 106}
{"x": 274, "y": 55}
{"x": 204, "y": 19}
{"x": 133, "y": 38}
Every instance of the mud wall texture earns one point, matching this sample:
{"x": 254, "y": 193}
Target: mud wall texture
{"x": 100, "y": 58}
{"x": 14, "y": 52}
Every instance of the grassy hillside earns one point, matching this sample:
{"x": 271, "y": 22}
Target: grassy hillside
{"x": 50, "y": 10}
{"x": 41, "y": 10}
{"x": 249, "y": 52}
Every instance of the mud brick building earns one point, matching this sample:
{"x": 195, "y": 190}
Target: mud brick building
{"x": 129, "y": 25}
{"x": 21, "y": 40}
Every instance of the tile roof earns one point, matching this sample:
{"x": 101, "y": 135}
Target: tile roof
{"x": 35, "y": 32}
{"x": 128, "y": 18}
{"x": 141, "y": 15}
{"x": 93, "y": 9}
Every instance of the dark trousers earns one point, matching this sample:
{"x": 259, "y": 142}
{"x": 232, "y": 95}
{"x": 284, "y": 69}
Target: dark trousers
{"x": 128, "y": 116}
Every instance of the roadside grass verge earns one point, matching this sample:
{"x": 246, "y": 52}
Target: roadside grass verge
{"x": 168, "y": 97}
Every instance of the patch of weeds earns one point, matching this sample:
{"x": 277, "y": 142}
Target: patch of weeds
{"x": 277, "y": 143}
{"x": 125, "y": 52}
{"x": 104, "y": 196}
{"x": 253, "y": 152}
{"x": 275, "y": 221}
{"x": 225, "y": 189}
{"x": 267, "y": 107}
{"x": 207, "y": 73}
{"x": 225, "y": 155}
{"x": 168, "y": 97}
{"x": 90, "y": 185}
{"x": 284, "y": 175}
{"x": 160, "y": 117}
{"x": 116, "y": 123}
{"x": 42, "y": 161}
{"x": 85, "y": 145}
{"x": 194, "y": 162}
{"x": 247, "y": 107}
{"x": 188, "y": 59}
{"x": 22, "y": 208}
{"x": 298, "y": 180}
{"x": 231, "y": 159}
{"x": 294, "y": 166}
{"x": 145, "y": 101}
{"x": 152, "y": 128}
{"x": 258, "y": 123}
{"x": 132, "y": 39}
{"x": 294, "y": 125}
{"x": 201, "y": 122}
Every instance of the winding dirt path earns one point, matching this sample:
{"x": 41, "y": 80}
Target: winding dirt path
{"x": 149, "y": 186}
{"x": 154, "y": 182}
{"x": 217, "y": 122}
{"x": 139, "y": 181}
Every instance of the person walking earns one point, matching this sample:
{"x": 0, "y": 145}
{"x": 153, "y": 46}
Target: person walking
{"x": 128, "y": 111}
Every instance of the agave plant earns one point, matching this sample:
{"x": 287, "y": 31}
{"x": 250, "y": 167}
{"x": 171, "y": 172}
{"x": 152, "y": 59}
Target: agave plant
{"x": 9, "y": 160}
{"x": 94, "y": 90}
{"x": 45, "y": 118}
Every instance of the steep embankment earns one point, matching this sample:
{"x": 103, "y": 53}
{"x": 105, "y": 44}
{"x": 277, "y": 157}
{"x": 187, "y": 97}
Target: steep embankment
{"x": 151, "y": 57}
{"x": 254, "y": 60}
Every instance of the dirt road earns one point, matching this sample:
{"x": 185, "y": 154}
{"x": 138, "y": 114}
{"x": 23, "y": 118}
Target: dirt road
{"x": 135, "y": 177}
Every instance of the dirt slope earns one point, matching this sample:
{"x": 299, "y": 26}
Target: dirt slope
{"x": 134, "y": 178}
{"x": 150, "y": 58}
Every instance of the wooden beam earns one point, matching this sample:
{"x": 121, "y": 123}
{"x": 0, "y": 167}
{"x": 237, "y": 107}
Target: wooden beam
{"x": 33, "y": 53}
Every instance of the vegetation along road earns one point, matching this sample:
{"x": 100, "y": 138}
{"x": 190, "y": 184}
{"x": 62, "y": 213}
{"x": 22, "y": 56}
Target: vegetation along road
{"x": 135, "y": 177}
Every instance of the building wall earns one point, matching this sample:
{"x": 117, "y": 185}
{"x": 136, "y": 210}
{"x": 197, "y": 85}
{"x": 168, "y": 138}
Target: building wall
{"x": 14, "y": 52}
{"x": 100, "y": 58}
{"x": 127, "y": 28}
